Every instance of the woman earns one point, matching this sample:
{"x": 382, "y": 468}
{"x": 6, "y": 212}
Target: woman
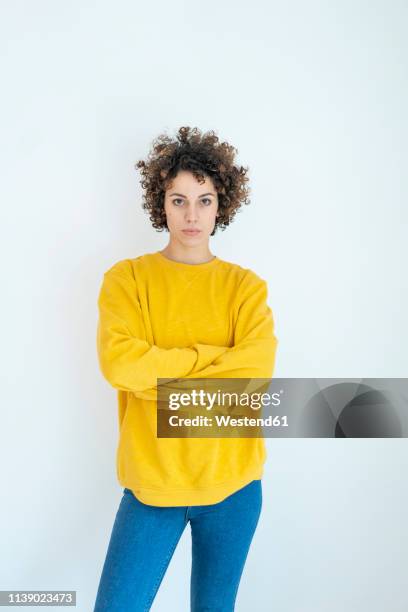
{"x": 175, "y": 314}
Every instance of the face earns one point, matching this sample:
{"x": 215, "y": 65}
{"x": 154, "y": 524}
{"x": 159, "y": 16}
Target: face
{"x": 190, "y": 205}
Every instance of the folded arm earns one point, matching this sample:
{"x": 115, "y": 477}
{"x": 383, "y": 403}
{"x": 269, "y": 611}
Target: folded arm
{"x": 130, "y": 363}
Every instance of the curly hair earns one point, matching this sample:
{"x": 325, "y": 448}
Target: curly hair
{"x": 203, "y": 155}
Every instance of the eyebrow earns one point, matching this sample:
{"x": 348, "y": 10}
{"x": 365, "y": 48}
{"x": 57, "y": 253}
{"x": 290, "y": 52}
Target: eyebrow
{"x": 200, "y": 196}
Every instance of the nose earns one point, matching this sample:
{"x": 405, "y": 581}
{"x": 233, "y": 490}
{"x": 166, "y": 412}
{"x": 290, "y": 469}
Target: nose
{"x": 191, "y": 214}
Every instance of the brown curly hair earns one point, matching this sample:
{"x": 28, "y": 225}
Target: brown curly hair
{"x": 203, "y": 155}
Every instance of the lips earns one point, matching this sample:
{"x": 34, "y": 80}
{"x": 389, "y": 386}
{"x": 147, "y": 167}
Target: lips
{"x": 191, "y": 232}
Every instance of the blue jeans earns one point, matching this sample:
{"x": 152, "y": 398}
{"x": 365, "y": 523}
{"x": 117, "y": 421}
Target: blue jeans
{"x": 145, "y": 537}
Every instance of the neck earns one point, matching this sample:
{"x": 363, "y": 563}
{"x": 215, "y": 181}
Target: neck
{"x": 187, "y": 254}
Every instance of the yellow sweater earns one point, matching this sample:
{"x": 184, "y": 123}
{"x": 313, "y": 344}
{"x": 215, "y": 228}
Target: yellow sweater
{"x": 164, "y": 319}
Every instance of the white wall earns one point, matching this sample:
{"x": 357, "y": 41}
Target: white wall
{"x": 314, "y": 96}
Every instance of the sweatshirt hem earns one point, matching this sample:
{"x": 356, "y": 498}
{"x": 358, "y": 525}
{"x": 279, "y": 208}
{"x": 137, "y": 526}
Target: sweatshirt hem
{"x": 192, "y": 497}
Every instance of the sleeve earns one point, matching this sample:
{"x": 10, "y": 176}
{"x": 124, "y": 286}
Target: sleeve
{"x": 127, "y": 361}
{"x": 130, "y": 363}
{"x": 254, "y": 351}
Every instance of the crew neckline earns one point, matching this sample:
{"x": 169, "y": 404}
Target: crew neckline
{"x": 186, "y": 266}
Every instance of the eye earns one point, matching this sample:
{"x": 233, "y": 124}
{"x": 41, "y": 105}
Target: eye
{"x": 177, "y": 200}
{"x": 208, "y": 200}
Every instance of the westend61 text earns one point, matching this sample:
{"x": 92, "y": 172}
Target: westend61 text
{"x": 228, "y": 421}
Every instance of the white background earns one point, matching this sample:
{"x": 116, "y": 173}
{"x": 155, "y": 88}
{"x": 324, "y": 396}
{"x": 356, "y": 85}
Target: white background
{"x": 314, "y": 97}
